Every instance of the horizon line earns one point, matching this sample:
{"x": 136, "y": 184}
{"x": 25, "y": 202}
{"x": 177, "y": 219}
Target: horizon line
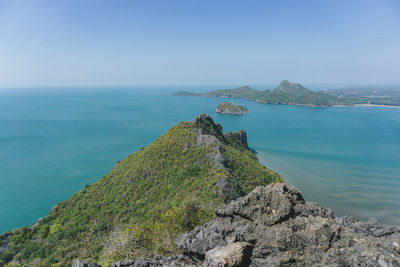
{"x": 336, "y": 85}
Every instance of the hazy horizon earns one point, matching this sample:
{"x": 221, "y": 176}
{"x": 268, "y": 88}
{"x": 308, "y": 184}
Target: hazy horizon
{"x": 170, "y": 43}
{"x": 202, "y": 87}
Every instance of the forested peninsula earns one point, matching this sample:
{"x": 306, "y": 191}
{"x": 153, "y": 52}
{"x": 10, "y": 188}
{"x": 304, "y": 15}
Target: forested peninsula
{"x": 288, "y": 93}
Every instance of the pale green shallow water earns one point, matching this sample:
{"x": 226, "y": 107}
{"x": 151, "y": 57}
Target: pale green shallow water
{"x": 54, "y": 143}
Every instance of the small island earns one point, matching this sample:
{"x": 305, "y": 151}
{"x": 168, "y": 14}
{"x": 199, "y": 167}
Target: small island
{"x": 230, "y": 108}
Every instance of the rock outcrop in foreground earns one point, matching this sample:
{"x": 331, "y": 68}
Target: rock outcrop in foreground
{"x": 274, "y": 226}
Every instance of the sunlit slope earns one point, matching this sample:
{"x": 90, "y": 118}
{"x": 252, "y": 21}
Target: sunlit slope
{"x": 193, "y": 161}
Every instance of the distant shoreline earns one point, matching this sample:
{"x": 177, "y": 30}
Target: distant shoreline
{"x": 287, "y": 93}
{"x": 374, "y": 105}
{"x": 294, "y": 104}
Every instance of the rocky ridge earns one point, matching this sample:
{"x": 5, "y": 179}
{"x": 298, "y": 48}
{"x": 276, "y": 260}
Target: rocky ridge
{"x": 150, "y": 197}
{"x": 275, "y": 226}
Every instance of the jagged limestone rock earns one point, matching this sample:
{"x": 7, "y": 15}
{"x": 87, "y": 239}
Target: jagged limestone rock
{"x": 287, "y": 231}
{"x": 173, "y": 261}
{"x": 205, "y": 122}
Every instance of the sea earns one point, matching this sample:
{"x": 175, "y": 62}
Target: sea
{"x": 54, "y": 141}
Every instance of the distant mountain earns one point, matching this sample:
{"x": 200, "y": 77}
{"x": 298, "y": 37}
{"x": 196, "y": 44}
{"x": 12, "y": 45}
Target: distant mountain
{"x": 285, "y": 93}
{"x": 145, "y": 202}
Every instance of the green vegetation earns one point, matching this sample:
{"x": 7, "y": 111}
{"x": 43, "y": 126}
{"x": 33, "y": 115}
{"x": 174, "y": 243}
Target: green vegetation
{"x": 145, "y": 202}
{"x": 154, "y": 238}
{"x": 295, "y": 94}
{"x": 285, "y": 93}
{"x": 230, "y": 108}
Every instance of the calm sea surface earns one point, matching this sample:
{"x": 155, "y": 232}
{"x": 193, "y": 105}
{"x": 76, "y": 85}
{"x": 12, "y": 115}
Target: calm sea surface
{"x": 53, "y": 143}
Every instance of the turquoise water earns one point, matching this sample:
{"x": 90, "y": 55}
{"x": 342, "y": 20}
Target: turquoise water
{"x": 53, "y": 143}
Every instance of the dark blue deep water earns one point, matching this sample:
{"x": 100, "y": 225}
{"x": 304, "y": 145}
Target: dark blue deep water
{"x": 54, "y": 142}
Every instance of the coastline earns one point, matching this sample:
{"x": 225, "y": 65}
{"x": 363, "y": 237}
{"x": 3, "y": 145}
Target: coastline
{"x": 229, "y": 113}
{"x": 301, "y": 105}
{"x": 374, "y": 105}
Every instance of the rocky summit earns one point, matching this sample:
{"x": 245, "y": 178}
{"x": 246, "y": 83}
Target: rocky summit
{"x": 275, "y": 226}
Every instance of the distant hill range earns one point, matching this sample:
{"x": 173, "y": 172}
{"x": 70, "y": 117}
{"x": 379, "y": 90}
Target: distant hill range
{"x": 295, "y": 94}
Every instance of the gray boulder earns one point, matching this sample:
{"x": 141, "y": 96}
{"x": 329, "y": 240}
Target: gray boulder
{"x": 285, "y": 230}
{"x": 173, "y": 261}
{"x": 236, "y": 254}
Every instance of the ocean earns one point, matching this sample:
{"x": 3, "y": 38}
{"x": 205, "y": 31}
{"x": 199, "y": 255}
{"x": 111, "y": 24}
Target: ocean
{"x": 54, "y": 141}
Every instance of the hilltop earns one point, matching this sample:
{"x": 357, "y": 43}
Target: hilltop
{"x": 146, "y": 201}
{"x": 285, "y": 93}
{"x": 230, "y": 108}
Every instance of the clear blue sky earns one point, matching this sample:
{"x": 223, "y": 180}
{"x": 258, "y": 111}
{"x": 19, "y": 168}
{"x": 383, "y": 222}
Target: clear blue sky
{"x": 187, "y": 42}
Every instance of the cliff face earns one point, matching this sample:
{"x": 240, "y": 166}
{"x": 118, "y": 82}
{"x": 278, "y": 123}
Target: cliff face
{"x": 274, "y": 226}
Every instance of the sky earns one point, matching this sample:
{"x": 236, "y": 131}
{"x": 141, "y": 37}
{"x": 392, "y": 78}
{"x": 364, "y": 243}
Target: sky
{"x": 198, "y": 42}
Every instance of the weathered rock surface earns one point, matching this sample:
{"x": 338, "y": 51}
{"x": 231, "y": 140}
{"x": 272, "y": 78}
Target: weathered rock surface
{"x": 205, "y": 122}
{"x": 173, "y": 261}
{"x": 236, "y": 254}
{"x": 4, "y": 245}
{"x": 287, "y": 231}
{"x": 209, "y": 134}
{"x": 274, "y": 226}
{"x": 216, "y": 157}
